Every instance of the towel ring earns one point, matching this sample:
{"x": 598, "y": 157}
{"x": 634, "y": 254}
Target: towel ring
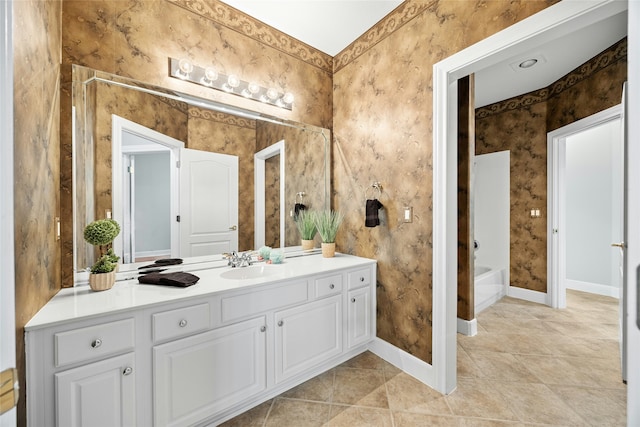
{"x": 300, "y": 194}
{"x": 376, "y": 186}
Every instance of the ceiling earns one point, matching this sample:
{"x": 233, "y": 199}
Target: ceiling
{"x": 327, "y": 25}
{"x": 306, "y": 20}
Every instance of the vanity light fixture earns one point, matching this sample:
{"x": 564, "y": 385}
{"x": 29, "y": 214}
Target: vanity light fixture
{"x": 184, "y": 69}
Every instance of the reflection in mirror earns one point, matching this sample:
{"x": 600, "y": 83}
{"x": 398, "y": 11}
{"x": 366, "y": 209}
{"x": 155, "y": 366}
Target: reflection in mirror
{"x": 179, "y": 173}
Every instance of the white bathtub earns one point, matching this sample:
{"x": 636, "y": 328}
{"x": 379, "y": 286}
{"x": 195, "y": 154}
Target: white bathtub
{"x": 489, "y": 287}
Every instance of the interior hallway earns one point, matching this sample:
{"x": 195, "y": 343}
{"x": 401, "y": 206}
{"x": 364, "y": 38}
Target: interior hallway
{"x": 529, "y": 365}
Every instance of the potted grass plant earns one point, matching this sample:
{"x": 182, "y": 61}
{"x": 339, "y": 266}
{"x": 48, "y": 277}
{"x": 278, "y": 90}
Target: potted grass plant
{"x": 101, "y": 233}
{"x": 307, "y": 227}
{"x": 328, "y": 223}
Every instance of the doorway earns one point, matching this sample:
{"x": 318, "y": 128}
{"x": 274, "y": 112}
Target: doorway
{"x": 586, "y": 183}
{"x": 545, "y": 26}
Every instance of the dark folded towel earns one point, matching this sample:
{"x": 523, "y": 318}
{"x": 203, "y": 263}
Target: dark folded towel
{"x": 296, "y": 210}
{"x": 162, "y": 262}
{"x": 178, "y": 278}
{"x": 371, "y": 213}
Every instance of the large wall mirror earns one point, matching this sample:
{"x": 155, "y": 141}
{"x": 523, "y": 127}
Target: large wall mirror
{"x": 187, "y": 177}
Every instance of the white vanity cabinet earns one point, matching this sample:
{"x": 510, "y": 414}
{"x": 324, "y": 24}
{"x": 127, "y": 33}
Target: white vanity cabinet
{"x": 307, "y": 336}
{"x": 194, "y": 356}
{"x": 196, "y": 377}
{"x": 98, "y": 394}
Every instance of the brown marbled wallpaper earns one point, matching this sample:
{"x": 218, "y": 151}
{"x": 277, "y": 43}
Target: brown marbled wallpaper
{"x": 134, "y": 38}
{"x": 304, "y": 169}
{"x": 466, "y": 151}
{"x": 383, "y": 132}
{"x": 37, "y": 49}
{"x": 272, "y": 201}
{"x": 521, "y": 124}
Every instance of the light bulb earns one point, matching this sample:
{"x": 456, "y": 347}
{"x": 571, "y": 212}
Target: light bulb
{"x": 210, "y": 75}
{"x": 233, "y": 81}
{"x": 272, "y": 94}
{"x": 288, "y": 98}
{"x": 185, "y": 66}
{"x": 253, "y": 88}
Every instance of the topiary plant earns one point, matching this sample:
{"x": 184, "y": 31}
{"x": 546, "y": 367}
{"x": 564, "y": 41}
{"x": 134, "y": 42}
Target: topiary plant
{"x": 101, "y": 233}
{"x": 103, "y": 265}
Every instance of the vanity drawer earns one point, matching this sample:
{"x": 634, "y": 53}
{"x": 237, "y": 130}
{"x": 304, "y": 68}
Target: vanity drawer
{"x": 359, "y": 278}
{"x": 328, "y": 286}
{"x": 94, "y": 342}
{"x": 181, "y": 322}
{"x": 246, "y": 305}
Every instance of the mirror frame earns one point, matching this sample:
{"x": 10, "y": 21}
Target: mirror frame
{"x": 83, "y": 148}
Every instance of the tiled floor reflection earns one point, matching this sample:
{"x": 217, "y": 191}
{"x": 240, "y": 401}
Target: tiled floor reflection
{"x": 529, "y": 365}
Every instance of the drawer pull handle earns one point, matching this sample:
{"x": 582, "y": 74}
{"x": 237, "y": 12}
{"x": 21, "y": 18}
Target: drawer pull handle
{"x": 183, "y": 323}
{"x": 353, "y": 300}
{"x": 362, "y": 278}
{"x": 331, "y": 286}
{"x": 127, "y": 371}
{"x": 281, "y": 322}
{"x": 97, "y": 343}
{"x": 263, "y": 328}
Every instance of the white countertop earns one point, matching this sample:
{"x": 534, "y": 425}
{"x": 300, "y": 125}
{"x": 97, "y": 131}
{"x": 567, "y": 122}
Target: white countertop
{"x": 71, "y": 304}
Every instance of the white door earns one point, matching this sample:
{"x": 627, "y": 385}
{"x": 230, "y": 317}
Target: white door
{"x": 632, "y": 136}
{"x": 7, "y": 299}
{"x": 208, "y": 203}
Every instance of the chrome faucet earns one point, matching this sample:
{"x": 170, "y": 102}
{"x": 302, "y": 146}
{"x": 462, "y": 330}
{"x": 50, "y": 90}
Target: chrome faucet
{"x": 240, "y": 260}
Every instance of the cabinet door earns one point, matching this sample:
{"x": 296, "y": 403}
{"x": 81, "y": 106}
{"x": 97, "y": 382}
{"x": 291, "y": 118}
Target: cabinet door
{"x": 307, "y": 335}
{"x": 359, "y": 312}
{"x": 198, "y": 376}
{"x": 97, "y": 394}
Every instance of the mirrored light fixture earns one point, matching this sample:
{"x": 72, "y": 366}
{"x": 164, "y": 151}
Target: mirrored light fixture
{"x": 184, "y": 69}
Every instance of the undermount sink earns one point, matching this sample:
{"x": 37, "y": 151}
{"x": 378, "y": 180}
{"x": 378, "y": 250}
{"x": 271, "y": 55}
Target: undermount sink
{"x": 251, "y": 272}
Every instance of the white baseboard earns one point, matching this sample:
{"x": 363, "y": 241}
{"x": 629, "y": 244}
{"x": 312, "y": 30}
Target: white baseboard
{"x": 593, "y": 288}
{"x": 419, "y": 369}
{"x": 468, "y": 327}
{"x": 527, "y": 294}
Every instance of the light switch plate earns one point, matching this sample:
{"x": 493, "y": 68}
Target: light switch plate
{"x": 407, "y": 214}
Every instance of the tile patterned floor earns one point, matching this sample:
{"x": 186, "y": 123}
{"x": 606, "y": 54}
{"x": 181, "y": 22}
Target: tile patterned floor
{"x": 529, "y": 365}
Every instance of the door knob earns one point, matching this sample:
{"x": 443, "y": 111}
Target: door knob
{"x": 620, "y": 245}
{"x": 233, "y": 227}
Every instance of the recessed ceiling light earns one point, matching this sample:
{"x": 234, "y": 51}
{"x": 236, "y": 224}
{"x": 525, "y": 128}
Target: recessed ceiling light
{"x": 528, "y": 63}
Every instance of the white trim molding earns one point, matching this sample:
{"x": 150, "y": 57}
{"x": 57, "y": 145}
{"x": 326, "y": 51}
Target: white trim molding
{"x": 527, "y": 295}
{"x": 545, "y": 26}
{"x": 419, "y": 369}
{"x": 467, "y": 327}
{"x": 593, "y": 288}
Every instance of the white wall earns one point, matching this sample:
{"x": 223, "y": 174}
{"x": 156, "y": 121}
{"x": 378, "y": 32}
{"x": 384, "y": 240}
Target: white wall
{"x": 492, "y": 209}
{"x": 593, "y": 207}
{"x": 152, "y": 204}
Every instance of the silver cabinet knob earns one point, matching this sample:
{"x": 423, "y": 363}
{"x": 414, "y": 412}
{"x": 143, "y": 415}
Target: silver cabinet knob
{"x": 331, "y": 286}
{"x": 183, "y": 323}
{"x": 281, "y": 322}
{"x": 127, "y": 371}
{"x": 263, "y": 328}
{"x": 96, "y": 343}
{"x": 353, "y": 300}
